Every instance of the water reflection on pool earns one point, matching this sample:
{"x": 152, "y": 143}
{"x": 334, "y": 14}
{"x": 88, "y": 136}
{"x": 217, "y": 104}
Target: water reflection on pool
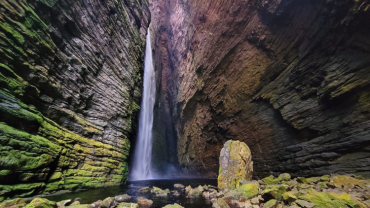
{"x": 132, "y": 187}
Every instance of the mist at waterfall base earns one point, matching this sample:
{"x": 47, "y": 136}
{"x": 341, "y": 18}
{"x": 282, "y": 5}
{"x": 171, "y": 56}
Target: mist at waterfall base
{"x": 142, "y": 167}
{"x": 142, "y": 162}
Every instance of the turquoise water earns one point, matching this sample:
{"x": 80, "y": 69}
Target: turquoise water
{"x": 90, "y": 196}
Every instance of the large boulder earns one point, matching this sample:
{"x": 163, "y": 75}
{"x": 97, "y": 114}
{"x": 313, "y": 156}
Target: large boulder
{"x": 235, "y": 165}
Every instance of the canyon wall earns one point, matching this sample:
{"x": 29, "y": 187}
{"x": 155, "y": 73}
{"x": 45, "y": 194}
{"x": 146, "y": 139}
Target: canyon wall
{"x": 290, "y": 78}
{"x": 71, "y": 79}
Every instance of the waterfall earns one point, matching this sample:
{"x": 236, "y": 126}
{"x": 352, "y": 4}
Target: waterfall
{"x": 142, "y": 167}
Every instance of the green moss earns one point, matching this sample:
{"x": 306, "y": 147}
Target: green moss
{"x": 41, "y": 203}
{"x": 54, "y": 186}
{"x": 334, "y": 200}
{"x": 347, "y": 181}
{"x": 271, "y": 204}
{"x": 270, "y": 180}
{"x": 14, "y": 203}
{"x": 249, "y": 190}
{"x": 20, "y": 190}
{"x": 313, "y": 180}
{"x": 289, "y": 197}
{"x": 275, "y": 191}
{"x": 55, "y": 176}
{"x": 127, "y": 205}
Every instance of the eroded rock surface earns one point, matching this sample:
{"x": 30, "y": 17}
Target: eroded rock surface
{"x": 236, "y": 165}
{"x": 289, "y": 78}
{"x": 70, "y": 87}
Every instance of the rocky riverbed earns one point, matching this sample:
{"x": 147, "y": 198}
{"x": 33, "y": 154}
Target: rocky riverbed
{"x": 334, "y": 191}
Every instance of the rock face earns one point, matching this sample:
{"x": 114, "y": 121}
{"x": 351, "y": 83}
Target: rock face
{"x": 70, "y": 87}
{"x": 236, "y": 165}
{"x": 289, "y": 78}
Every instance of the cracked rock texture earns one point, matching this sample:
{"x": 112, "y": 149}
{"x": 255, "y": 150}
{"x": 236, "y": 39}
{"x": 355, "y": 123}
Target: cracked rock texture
{"x": 289, "y": 78}
{"x": 70, "y": 87}
{"x": 236, "y": 165}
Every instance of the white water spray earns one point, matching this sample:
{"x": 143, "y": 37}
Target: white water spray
{"x": 142, "y": 166}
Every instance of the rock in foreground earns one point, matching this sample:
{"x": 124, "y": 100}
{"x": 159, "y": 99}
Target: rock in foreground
{"x": 235, "y": 165}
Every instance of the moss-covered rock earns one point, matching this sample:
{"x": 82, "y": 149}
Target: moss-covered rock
{"x": 289, "y": 197}
{"x": 271, "y": 204}
{"x": 272, "y": 180}
{"x": 14, "y": 203}
{"x": 127, "y": 205}
{"x": 235, "y": 165}
{"x": 41, "y": 203}
{"x": 331, "y": 199}
{"x": 51, "y": 126}
{"x": 246, "y": 191}
{"x": 343, "y": 181}
{"x": 159, "y": 192}
{"x": 145, "y": 190}
{"x": 274, "y": 191}
{"x": 107, "y": 202}
{"x": 219, "y": 203}
{"x": 143, "y": 202}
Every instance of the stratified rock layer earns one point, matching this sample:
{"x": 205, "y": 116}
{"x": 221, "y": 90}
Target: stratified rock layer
{"x": 70, "y": 86}
{"x": 289, "y": 78}
{"x": 236, "y": 165}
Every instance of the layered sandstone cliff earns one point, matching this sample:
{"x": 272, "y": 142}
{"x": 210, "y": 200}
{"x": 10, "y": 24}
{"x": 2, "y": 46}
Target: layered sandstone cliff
{"x": 70, "y": 78}
{"x": 290, "y": 78}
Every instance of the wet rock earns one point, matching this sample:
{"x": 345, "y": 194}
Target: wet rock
{"x": 127, "y": 205}
{"x": 41, "y": 203}
{"x": 271, "y": 204}
{"x": 122, "y": 198}
{"x": 107, "y": 203}
{"x": 64, "y": 203}
{"x": 235, "y": 164}
{"x": 205, "y": 195}
{"x": 96, "y": 204}
{"x": 220, "y": 203}
{"x": 175, "y": 193}
{"x": 143, "y": 202}
{"x": 193, "y": 192}
{"x": 178, "y": 186}
{"x": 159, "y": 192}
{"x": 173, "y": 206}
{"x": 145, "y": 190}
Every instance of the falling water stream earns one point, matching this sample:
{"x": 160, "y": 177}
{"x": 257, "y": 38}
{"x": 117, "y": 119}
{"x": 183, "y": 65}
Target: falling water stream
{"x": 142, "y": 167}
